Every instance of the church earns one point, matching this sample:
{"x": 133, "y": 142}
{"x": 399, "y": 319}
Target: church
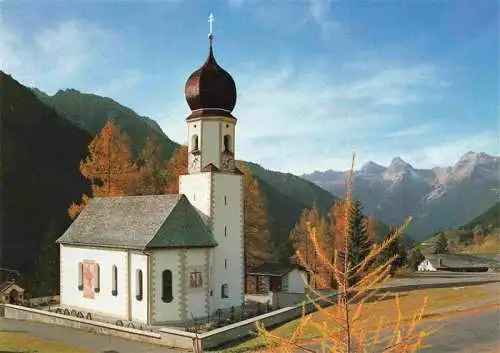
{"x": 168, "y": 258}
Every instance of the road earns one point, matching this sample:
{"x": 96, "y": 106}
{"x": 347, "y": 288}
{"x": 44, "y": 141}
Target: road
{"x": 467, "y": 333}
{"x": 463, "y": 333}
{"x": 81, "y": 339}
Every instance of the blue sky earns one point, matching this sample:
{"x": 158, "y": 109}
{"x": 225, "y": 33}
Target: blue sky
{"x": 316, "y": 79}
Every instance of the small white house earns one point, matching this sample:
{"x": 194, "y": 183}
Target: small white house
{"x": 426, "y": 265}
{"x": 459, "y": 263}
{"x": 276, "y": 277}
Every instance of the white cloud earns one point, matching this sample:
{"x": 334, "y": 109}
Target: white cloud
{"x": 320, "y": 12}
{"x": 127, "y": 80}
{"x": 448, "y": 151}
{"x": 298, "y": 120}
{"x": 56, "y": 55}
{"x": 236, "y": 3}
{"x": 413, "y": 130}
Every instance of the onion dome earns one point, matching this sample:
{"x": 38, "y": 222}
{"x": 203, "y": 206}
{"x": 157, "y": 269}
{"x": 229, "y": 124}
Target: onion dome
{"x": 211, "y": 88}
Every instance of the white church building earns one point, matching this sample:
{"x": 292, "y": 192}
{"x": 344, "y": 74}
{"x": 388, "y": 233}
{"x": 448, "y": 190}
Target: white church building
{"x": 167, "y": 258}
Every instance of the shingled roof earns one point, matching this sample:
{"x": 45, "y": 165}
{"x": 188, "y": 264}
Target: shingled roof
{"x": 139, "y": 222}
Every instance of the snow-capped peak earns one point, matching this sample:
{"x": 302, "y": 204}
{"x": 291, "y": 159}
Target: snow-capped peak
{"x": 372, "y": 168}
{"x": 398, "y": 169}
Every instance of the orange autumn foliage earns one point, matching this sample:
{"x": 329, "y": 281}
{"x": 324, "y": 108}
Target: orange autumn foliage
{"x": 154, "y": 172}
{"x": 373, "y": 229}
{"x": 109, "y": 166}
{"x": 178, "y": 165}
{"x": 258, "y": 243}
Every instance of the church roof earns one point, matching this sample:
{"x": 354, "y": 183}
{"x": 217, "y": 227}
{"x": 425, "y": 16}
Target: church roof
{"x": 140, "y": 222}
{"x": 273, "y": 269}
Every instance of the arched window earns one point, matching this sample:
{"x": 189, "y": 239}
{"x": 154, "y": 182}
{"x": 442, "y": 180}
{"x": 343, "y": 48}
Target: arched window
{"x": 166, "y": 294}
{"x": 227, "y": 143}
{"x": 194, "y": 143}
{"x": 97, "y": 278}
{"x": 224, "y": 291}
{"x": 138, "y": 285}
{"x": 114, "y": 280}
{"x": 80, "y": 276}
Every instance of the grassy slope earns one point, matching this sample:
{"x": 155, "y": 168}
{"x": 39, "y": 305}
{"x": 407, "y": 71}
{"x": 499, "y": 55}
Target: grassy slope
{"x": 441, "y": 302}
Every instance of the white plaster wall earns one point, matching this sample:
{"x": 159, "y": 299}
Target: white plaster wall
{"x": 230, "y": 244}
{"x": 426, "y": 265}
{"x": 197, "y": 188}
{"x": 103, "y": 301}
{"x": 139, "y": 309}
{"x": 167, "y": 259}
{"x": 296, "y": 282}
{"x": 196, "y": 297}
{"x": 210, "y": 143}
{"x": 194, "y": 128}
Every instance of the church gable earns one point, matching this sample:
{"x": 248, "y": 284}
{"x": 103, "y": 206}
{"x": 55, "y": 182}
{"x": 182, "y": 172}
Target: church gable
{"x": 133, "y": 222}
{"x": 183, "y": 228}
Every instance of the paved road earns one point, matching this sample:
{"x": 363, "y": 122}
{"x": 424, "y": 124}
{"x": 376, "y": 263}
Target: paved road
{"x": 467, "y": 333}
{"x": 464, "y": 333}
{"x": 81, "y": 339}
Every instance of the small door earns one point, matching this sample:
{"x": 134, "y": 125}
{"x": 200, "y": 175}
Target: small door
{"x": 275, "y": 284}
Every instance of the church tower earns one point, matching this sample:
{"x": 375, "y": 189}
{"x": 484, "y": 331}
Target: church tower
{"x": 213, "y": 183}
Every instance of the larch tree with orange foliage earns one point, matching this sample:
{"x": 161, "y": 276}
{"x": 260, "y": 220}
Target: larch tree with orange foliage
{"x": 258, "y": 243}
{"x": 373, "y": 229}
{"x": 109, "y": 166}
{"x": 178, "y": 165}
{"x": 154, "y": 172}
{"x": 341, "y": 319}
{"x": 302, "y": 243}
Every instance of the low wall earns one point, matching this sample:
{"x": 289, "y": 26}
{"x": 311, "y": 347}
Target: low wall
{"x": 259, "y": 298}
{"x": 165, "y": 337}
{"x": 242, "y": 329}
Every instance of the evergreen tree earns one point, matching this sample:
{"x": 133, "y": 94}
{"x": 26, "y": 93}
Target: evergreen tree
{"x": 153, "y": 172}
{"x": 46, "y": 281}
{"x": 415, "y": 258}
{"x": 360, "y": 244}
{"x": 441, "y": 245}
{"x": 395, "y": 249}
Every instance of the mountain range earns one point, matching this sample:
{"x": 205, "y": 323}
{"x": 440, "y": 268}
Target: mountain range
{"x": 43, "y": 139}
{"x": 437, "y": 198}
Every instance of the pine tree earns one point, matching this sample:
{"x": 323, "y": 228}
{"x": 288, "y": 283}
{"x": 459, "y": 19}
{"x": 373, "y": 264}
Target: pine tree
{"x": 373, "y": 229}
{"x": 396, "y": 250}
{"x": 153, "y": 171}
{"x": 441, "y": 245}
{"x": 178, "y": 165}
{"x": 109, "y": 166}
{"x": 302, "y": 243}
{"x": 259, "y": 247}
{"x": 360, "y": 245}
{"x": 415, "y": 258}
{"x": 47, "y": 264}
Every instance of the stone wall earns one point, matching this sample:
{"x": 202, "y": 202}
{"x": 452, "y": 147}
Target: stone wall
{"x": 165, "y": 336}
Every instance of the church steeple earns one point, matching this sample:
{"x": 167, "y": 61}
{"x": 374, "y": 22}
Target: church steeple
{"x": 211, "y": 95}
{"x": 210, "y": 88}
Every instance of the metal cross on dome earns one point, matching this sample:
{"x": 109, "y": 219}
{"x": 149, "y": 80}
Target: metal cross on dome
{"x": 211, "y": 21}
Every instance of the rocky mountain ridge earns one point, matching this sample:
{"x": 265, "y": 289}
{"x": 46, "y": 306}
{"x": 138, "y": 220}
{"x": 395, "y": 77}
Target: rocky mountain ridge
{"x": 437, "y": 198}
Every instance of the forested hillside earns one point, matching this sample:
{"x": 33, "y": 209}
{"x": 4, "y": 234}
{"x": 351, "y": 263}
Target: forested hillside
{"x": 41, "y": 152}
{"x": 91, "y": 112}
